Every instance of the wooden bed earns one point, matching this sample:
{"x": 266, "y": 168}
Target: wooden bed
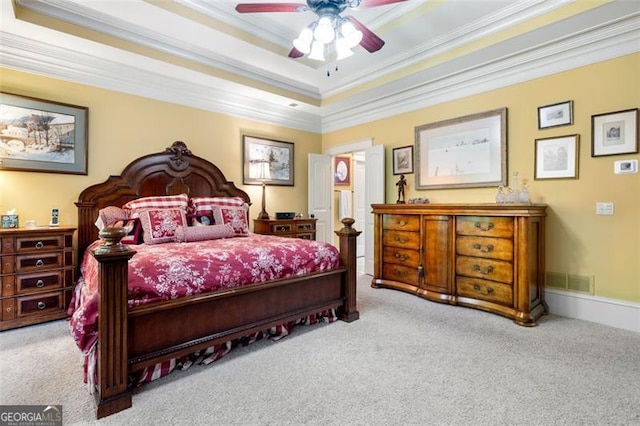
{"x": 131, "y": 339}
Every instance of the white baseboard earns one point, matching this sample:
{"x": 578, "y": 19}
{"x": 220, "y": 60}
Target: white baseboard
{"x": 611, "y": 312}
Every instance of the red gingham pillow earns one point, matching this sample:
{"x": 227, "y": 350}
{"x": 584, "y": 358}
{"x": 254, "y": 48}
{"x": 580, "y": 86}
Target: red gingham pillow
{"x": 160, "y": 225}
{"x": 236, "y": 216}
{"x": 208, "y": 203}
{"x": 157, "y": 202}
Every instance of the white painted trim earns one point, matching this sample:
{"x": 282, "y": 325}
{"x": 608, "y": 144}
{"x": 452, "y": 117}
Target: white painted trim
{"x": 612, "y": 312}
{"x": 350, "y": 147}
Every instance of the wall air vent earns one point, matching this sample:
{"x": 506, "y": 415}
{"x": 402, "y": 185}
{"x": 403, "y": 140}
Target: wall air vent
{"x": 557, "y": 280}
{"x": 580, "y": 284}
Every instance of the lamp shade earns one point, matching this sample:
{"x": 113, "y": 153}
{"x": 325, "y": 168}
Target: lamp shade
{"x": 324, "y": 32}
{"x": 342, "y": 48}
{"x": 303, "y": 42}
{"x": 317, "y": 51}
{"x": 350, "y": 33}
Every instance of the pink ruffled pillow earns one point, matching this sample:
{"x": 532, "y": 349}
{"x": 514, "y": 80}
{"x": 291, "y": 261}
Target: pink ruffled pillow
{"x": 186, "y": 234}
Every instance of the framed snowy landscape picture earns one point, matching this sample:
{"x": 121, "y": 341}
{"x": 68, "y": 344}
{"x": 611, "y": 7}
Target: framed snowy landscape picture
{"x": 42, "y": 136}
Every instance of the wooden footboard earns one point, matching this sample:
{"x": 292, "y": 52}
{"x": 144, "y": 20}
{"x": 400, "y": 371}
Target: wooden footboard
{"x": 131, "y": 339}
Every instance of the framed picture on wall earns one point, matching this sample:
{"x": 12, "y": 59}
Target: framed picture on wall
{"x": 39, "y": 135}
{"x": 614, "y": 133}
{"x": 557, "y": 158}
{"x": 267, "y": 161}
{"x": 342, "y": 170}
{"x": 403, "y": 160}
{"x": 560, "y": 114}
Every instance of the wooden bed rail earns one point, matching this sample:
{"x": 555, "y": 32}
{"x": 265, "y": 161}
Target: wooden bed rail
{"x": 116, "y": 329}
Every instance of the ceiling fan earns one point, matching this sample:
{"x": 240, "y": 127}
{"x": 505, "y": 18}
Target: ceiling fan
{"x": 346, "y": 31}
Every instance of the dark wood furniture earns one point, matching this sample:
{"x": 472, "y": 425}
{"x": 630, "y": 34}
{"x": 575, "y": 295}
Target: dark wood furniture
{"x": 485, "y": 256}
{"x": 133, "y": 338}
{"x": 37, "y": 271}
{"x": 294, "y": 228}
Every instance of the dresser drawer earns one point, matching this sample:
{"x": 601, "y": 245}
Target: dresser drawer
{"x": 39, "y": 243}
{"x": 39, "y": 261}
{"x": 303, "y": 236}
{"x": 37, "y": 304}
{"x": 281, "y": 228}
{"x": 401, "y": 256}
{"x": 488, "y": 247}
{"x": 495, "y": 270}
{"x": 400, "y": 273}
{"x": 489, "y": 291}
{"x": 486, "y": 226}
{"x": 401, "y": 222}
{"x": 30, "y": 283}
{"x": 410, "y": 240}
{"x": 303, "y": 227}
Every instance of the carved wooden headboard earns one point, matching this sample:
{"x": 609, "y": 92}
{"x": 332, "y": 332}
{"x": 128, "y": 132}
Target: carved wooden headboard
{"x": 174, "y": 171}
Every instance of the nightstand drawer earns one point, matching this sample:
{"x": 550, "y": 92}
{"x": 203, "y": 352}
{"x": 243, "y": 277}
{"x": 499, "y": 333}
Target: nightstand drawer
{"x": 303, "y": 227}
{"x": 39, "y": 243}
{"x": 32, "y": 305}
{"x": 36, "y": 262}
{"x": 281, "y": 228}
{"x": 31, "y": 283}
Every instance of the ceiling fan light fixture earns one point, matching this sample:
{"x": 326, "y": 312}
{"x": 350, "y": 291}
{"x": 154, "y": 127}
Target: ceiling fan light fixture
{"x": 303, "y": 42}
{"x": 350, "y": 33}
{"x": 317, "y": 51}
{"x": 324, "y": 31}
{"x": 342, "y": 48}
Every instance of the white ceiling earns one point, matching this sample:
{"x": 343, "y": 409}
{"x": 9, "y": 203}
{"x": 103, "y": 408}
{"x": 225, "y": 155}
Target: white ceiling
{"x": 204, "y": 54}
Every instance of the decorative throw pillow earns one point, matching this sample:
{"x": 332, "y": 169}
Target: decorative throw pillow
{"x": 208, "y": 203}
{"x": 185, "y": 234}
{"x": 204, "y": 218}
{"x": 109, "y": 215}
{"x": 133, "y": 227}
{"x": 159, "y": 225}
{"x": 236, "y": 216}
{"x": 157, "y": 202}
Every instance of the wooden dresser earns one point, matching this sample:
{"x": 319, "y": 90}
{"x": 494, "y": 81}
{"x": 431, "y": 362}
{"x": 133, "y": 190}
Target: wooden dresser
{"x": 37, "y": 271}
{"x": 295, "y": 228}
{"x": 485, "y": 256}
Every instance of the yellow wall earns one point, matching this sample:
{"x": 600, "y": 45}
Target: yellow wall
{"x": 123, "y": 127}
{"x": 578, "y": 241}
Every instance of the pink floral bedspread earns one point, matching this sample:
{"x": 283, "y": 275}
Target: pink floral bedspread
{"x": 172, "y": 270}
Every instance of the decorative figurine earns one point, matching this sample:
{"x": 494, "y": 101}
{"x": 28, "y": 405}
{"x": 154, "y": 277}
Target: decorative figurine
{"x": 401, "y": 184}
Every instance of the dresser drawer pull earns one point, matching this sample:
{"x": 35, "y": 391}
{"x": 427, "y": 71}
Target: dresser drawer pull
{"x": 41, "y": 305}
{"x": 399, "y": 272}
{"x": 8, "y": 309}
{"x": 39, "y": 283}
{"x": 39, "y": 244}
{"x": 484, "y": 226}
{"x": 402, "y": 222}
{"x": 476, "y": 287}
{"x": 400, "y": 256}
{"x": 487, "y": 250}
{"x": 402, "y": 240}
{"x": 477, "y": 268}
{"x": 39, "y": 263}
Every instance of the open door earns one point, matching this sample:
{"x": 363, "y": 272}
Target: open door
{"x": 320, "y": 190}
{"x": 374, "y": 193}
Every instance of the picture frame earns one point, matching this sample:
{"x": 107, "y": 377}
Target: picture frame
{"x": 560, "y": 114}
{"x": 557, "y": 157}
{"x": 267, "y": 161}
{"x": 614, "y": 133}
{"x": 342, "y": 170}
{"x": 403, "y": 160}
{"x": 40, "y": 135}
{"x": 464, "y": 152}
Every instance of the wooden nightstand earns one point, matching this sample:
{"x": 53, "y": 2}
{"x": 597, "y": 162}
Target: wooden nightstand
{"x": 37, "y": 272}
{"x": 294, "y": 228}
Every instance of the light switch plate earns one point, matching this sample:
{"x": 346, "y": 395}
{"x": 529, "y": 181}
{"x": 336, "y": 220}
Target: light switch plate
{"x": 604, "y": 208}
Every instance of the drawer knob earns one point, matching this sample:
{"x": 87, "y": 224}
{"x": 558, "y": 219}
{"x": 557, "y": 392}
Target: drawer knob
{"x": 402, "y": 223}
{"x": 477, "y": 288}
{"x": 8, "y": 309}
{"x": 39, "y": 283}
{"x": 41, "y": 305}
{"x": 39, "y": 244}
{"x": 402, "y": 240}
{"x": 484, "y": 226}
{"x": 487, "y": 270}
{"x": 399, "y": 272}
{"x": 39, "y": 263}
{"x": 484, "y": 250}
{"x": 400, "y": 256}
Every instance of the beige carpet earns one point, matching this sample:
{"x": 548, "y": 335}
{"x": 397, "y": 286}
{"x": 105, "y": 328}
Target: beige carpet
{"x": 406, "y": 361}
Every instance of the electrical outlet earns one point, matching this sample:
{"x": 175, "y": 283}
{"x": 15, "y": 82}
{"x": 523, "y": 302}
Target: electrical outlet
{"x": 604, "y": 208}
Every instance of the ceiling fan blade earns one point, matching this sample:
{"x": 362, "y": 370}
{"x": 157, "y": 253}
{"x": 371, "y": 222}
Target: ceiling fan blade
{"x": 370, "y": 41}
{"x": 295, "y": 53}
{"x": 270, "y": 7}
{"x": 376, "y": 3}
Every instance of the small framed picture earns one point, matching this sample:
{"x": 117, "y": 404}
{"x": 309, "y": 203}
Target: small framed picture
{"x": 560, "y": 114}
{"x": 403, "y": 160}
{"x": 614, "y": 133}
{"x": 342, "y": 171}
{"x": 557, "y": 158}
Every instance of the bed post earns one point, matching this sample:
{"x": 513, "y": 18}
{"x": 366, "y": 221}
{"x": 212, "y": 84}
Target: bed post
{"x": 112, "y": 393}
{"x": 348, "y": 237}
